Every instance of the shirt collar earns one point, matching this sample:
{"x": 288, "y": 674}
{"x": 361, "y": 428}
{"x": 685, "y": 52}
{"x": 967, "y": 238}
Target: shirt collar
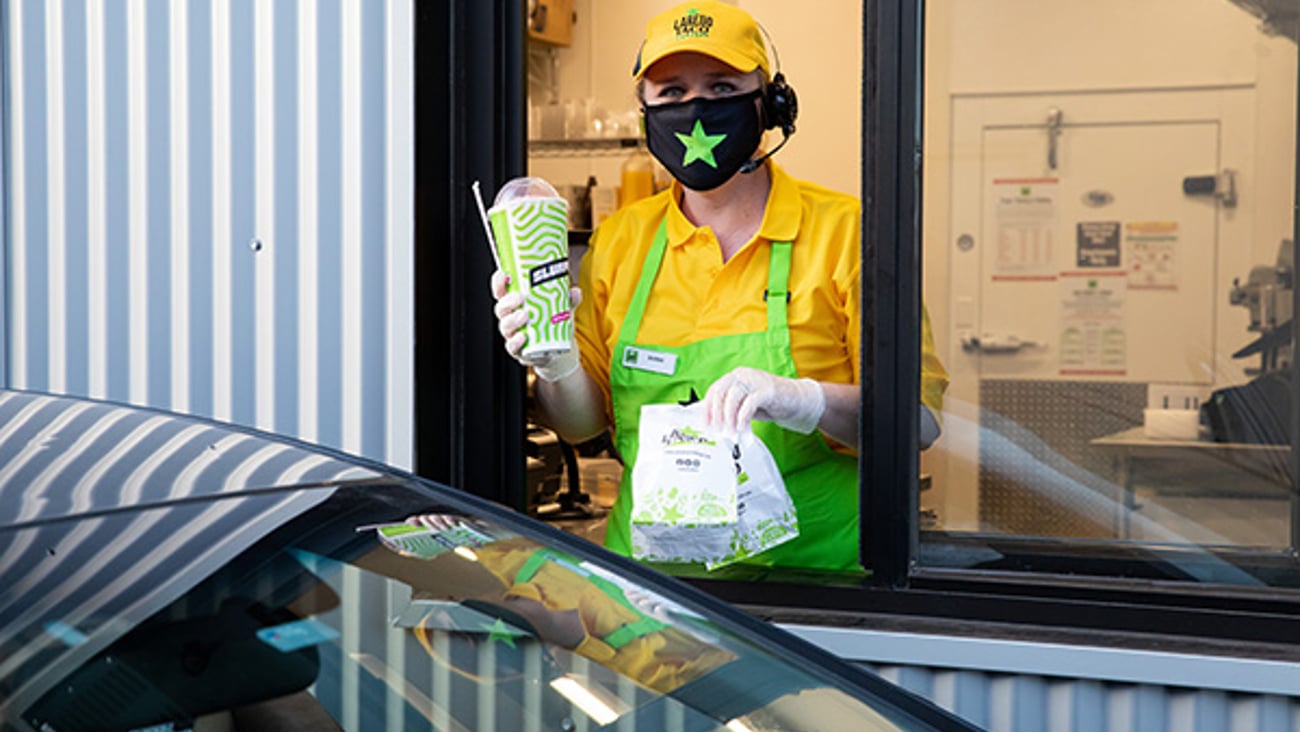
{"x": 781, "y": 218}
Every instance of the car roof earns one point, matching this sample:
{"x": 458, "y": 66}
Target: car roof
{"x": 115, "y": 456}
{"x": 159, "y": 500}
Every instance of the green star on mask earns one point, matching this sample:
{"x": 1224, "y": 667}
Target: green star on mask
{"x": 499, "y": 631}
{"x": 699, "y": 146}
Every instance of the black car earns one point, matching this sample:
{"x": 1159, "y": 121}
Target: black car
{"x": 160, "y": 572}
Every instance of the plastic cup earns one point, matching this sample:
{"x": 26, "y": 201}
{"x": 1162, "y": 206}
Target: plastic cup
{"x": 530, "y": 227}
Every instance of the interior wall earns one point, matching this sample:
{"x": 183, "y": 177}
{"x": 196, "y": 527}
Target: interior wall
{"x": 820, "y": 49}
{"x": 1010, "y": 47}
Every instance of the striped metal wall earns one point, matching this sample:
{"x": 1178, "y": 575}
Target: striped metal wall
{"x": 209, "y": 209}
{"x": 1008, "y": 685}
{"x": 1003, "y": 702}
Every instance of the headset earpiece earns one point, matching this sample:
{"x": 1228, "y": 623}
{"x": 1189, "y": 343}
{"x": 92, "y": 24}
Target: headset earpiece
{"x": 780, "y": 105}
{"x": 780, "y": 108}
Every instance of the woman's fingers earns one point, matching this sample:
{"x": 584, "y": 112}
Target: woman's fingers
{"x": 736, "y": 398}
{"x": 512, "y": 323}
{"x": 713, "y": 402}
{"x": 738, "y": 394}
{"x": 748, "y": 407}
{"x": 508, "y": 304}
{"x": 436, "y": 521}
{"x": 515, "y": 344}
{"x": 512, "y": 317}
{"x": 499, "y": 282}
{"x": 722, "y": 402}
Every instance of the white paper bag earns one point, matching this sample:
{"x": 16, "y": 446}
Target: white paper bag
{"x": 765, "y": 515}
{"x": 683, "y": 487}
{"x": 699, "y": 496}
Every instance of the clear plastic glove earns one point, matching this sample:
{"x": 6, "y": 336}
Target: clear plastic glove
{"x": 930, "y": 428}
{"x": 745, "y": 394}
{"x": 511, "y": 318}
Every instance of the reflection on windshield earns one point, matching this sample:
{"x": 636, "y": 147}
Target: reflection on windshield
{"x": 576, "y": 606}
{"x": 441, "y": 622}
{"x": 559, "y": 637}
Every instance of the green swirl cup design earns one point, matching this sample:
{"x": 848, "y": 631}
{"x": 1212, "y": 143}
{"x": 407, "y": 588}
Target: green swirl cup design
{"x": 532, "y": 238}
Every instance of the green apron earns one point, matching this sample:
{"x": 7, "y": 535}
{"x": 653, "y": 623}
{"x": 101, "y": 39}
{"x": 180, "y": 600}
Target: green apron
{"x": 643, "y": 625}
{"x": 822, "y": 483}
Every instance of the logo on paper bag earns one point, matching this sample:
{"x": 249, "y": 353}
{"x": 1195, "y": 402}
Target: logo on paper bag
{"x": 686, "y": 436}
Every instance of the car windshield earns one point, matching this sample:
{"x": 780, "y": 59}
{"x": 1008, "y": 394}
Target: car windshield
{"x": 372, "y": 606}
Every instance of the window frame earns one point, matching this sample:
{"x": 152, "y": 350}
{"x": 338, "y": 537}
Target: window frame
{"x": 891, "y": 360}
{"x": 470, "y": 96}
{"x": 900, "y": 62}
{"x": 1059, "y": 589}
{"x": 470, "y": 62}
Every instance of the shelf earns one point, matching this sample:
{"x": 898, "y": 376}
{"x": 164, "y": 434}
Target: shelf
{"x": 583, "y": 147}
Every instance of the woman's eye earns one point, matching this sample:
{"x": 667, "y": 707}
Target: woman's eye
{"x": 723, "y": 87}
{"x": 671, "y": 92}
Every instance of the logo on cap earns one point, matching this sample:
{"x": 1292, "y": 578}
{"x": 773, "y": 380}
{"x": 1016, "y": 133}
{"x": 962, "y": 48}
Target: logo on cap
{"x": 693, "y": 25}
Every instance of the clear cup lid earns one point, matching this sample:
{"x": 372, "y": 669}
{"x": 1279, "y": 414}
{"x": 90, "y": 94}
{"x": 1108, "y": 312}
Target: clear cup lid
{"x": 519, "y": 189}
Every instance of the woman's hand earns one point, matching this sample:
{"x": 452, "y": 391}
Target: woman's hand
{"x": 511, "y": 319}
{"x": 436, "y": 521}
{"x": 746, "y": 393}
{"x": 573, "y": 407}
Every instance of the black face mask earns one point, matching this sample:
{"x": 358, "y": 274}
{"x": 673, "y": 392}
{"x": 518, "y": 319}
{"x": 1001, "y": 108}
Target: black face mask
{"x": 703, "y": 142}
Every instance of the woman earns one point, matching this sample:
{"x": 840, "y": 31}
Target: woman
{"x": 739, "y": 283}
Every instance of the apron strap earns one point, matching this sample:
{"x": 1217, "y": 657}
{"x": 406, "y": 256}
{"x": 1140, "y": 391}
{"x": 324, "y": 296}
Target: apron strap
{"x": 778, "y": 287}
{"x": 649, "y": 271}
{"x": 643, "y": 625}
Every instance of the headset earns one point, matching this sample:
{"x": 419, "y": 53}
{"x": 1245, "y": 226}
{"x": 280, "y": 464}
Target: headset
{"x": 780, "y": 107}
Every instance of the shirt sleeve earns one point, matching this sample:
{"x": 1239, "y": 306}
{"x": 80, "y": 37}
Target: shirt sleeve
{"x": 589, "y": 319}
{"x": 853, "y": 312}
{"x": 934, "y": 378}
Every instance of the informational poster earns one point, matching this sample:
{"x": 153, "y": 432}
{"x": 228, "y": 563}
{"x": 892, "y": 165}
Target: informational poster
{"x": 1025, "y": 219}
{"x": 1097, "y": 244}
{"x": 1151, "y": 249}
{"x": 1093, "y": 338}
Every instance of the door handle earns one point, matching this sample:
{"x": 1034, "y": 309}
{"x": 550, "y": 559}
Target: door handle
{"x": 1054, "y": 116}
{"x": 990, "y": 343}
{"x": 1222, "y": 186}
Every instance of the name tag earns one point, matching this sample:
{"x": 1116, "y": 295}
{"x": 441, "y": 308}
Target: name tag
{"x": 654, "y": 361}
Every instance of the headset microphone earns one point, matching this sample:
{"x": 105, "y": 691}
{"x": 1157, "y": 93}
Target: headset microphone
{"x": 751, "y": 165}
{"x": 780, "y": 108}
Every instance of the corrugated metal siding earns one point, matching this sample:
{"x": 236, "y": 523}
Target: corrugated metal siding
{"x": 1022, "y": 703}
{"x": 210, "y": 210}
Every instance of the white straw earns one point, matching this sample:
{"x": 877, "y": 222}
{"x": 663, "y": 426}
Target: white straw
{"x": 487, "y": 226}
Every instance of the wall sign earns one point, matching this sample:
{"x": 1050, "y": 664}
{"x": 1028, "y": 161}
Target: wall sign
{"x": 1097, "y": 244}
{"x": 1025, "y": 220}
{"x": 1093, "y": 338}
{"x": 1152, "y": 254}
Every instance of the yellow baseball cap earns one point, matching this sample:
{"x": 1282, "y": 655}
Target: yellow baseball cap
{"x": 712, "y": 28}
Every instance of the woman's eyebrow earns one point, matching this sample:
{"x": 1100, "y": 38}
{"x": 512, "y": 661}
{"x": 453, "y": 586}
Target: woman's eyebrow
{"x": 708, "y": 76}
{"x": 668, "y": 80}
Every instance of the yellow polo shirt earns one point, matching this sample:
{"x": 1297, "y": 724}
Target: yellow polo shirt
{"x": 697, "y": 296}
{"x": 662, "y": 659}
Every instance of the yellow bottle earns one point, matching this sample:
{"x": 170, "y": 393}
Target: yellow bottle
{"x": 637, "y": 177}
